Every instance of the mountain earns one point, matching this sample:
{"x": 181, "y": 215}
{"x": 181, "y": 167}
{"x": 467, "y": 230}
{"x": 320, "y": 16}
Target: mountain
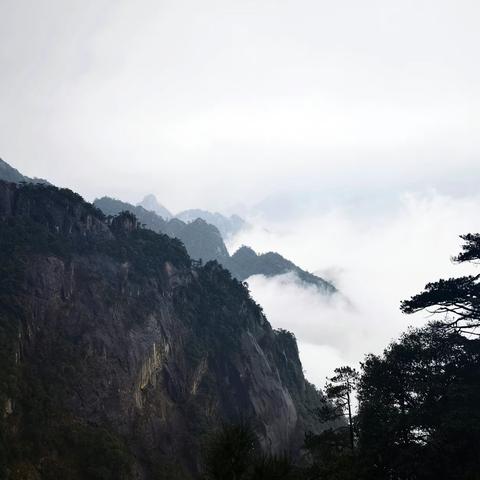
{"x": 118, "y": 355}
{"x": 10, "y": 174}
{"x": 112, "y": 207}
{"x": 245, "y": 262}
{"x": 204, "y": 241}
{"x": 227, "y": 226}
{"x": 151, "y": 204}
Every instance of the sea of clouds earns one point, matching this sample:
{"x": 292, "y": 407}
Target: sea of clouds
{"x": 375, "y": 261}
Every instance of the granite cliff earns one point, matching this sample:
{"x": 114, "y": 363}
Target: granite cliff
{"x": 118, "y": 354}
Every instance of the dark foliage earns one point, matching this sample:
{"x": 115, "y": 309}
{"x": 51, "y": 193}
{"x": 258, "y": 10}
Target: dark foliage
{"x": 233, "y": 452}
{"x": 339, "y": 391}
{"x": 57, "y": 222}
{"x": 419, "y": 414}
{"x": 230, "y": 452}
{"x": 455, "y": 300}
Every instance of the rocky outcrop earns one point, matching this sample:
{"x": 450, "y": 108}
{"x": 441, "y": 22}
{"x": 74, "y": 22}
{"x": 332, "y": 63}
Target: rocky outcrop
{"x": 117, "y": 353}
{"x": 151, "y": 204}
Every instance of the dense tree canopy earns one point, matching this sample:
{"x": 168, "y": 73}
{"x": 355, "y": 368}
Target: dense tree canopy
{"x": 419, "y": 414}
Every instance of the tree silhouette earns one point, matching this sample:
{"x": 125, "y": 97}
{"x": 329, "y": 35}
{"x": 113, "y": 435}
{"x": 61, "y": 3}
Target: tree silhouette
{"x": 233, "y": 453}
{"x": 230, "y": 452}
{"x": 456, "y": 300}
{"x": 339, "y": 391}
{"x": 419, "y": 415}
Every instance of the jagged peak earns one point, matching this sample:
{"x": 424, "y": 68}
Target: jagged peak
{"x": 151, "y": 204}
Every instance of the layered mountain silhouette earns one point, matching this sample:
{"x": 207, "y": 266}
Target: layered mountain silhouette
{"x": 227, "y": 226}
{"x": 151, "y": 204}
{"x": 204, "y": 241}
{"x": 10, "y": 174}
{"x": 118, "y": 354}
{"x": 245, "y": 262}
{"x": 201, "y": 232}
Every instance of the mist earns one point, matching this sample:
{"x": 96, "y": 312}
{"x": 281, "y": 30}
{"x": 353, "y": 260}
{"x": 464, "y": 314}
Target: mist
{"x": 214, "y": 104}
{"x": 375, "y": 261}
{"x": 347, "y": 133}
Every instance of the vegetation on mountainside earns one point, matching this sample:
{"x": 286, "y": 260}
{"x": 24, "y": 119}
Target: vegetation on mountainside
{"x": 233, "y": 452}
{"x": 204, "y": 241}
{"x": 418, "y": 414}
{"x": 41, "y": 436}
{"x": 245, "y": 262}
{"x": 43, "y": 225}
{"x": 418, "y": 417}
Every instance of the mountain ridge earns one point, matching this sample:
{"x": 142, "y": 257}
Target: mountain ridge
{"x": 119, "y": 353}
{"x": 227, "y": 226}
{"x": 151, "y": 203}
{"x": 204, "y": 242}
{"x": 11, "y": 174}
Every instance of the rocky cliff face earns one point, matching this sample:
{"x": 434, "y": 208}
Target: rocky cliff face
{"x": 117, "y": 356}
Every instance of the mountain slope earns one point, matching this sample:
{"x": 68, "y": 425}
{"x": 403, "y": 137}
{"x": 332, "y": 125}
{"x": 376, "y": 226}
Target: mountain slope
{"x": 150, "y": 219}
{"x": 151, "y": 204}
{"x": 202, "y": 234}
{"x": 227, "y": 226}
{"x": 204, "y": 241}
{"x": 245, "y": 262}
{"x": 10, "y": 174}
{"x": 116, "y": 355}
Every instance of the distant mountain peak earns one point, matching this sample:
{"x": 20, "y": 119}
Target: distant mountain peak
{"x": 227, "y": 226}
{"x": 245, "y": 262}
{"x": 151, "y": 204}
{"x": 203, "y": 240}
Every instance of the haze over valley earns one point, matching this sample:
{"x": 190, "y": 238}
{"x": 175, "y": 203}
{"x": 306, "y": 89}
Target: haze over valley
{"x": 239, "y": 240}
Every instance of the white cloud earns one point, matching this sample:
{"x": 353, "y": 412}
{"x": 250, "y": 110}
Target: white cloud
{"x": 375, "y": 262}
{"x": 209, "y": 104}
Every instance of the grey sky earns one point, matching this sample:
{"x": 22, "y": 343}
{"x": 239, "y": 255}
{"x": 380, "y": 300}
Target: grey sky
{"x": 212, "y": 103}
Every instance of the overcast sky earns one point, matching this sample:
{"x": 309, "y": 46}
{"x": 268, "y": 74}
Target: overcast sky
{"x": 352, "y": 126}
{"x": 214, "y": 103}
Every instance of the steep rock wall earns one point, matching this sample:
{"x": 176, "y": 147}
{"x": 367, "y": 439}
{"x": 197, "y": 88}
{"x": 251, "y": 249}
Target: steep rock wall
{"x": 110, "y": 333}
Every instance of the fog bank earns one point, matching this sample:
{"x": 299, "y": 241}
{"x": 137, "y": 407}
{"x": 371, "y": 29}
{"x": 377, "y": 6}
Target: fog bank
{"x": 375, "y": 263}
